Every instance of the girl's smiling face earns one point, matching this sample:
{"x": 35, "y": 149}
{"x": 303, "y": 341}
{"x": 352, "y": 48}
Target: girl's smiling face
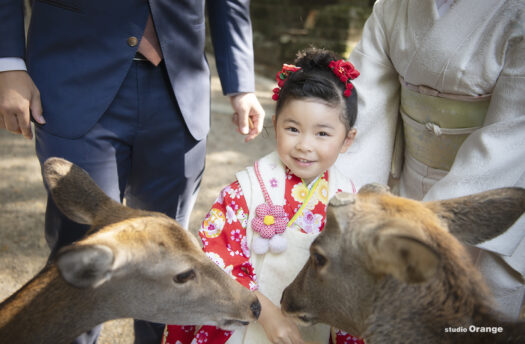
{"x": 310, "y": 136}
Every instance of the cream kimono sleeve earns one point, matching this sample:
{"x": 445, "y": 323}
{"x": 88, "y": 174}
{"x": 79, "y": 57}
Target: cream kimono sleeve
{"x": 369, "y": 158}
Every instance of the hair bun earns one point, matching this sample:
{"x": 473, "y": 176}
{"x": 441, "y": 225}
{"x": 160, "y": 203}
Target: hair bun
{"x": 314, "y": 58}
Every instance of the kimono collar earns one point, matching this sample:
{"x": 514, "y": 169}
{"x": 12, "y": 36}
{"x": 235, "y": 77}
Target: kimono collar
{"x": 290, "y": 175}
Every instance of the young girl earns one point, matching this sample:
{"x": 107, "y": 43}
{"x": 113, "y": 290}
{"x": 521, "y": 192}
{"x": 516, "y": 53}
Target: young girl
{"x": 261, "y": 226}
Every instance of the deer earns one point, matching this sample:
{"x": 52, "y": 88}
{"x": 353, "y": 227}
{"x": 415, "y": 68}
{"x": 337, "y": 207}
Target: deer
{"x": 395, "y": 270}
{"x": 131, "y": 264}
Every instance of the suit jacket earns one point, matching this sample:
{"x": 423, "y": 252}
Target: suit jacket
{"x": 79, "y": 51}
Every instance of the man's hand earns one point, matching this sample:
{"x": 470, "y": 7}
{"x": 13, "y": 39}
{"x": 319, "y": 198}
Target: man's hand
{"x": 248, "y": 114}
{"x": 279, "y": 328}
{"x": 19, "y": 97}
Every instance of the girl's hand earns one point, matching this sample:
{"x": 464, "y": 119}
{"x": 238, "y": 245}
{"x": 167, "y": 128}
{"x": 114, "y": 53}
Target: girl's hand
{"x": 279, "y": 328}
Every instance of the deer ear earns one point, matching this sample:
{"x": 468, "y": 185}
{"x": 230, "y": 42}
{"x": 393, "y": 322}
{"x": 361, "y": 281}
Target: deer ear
{"x": 476, "y": 218}
{"x": 338, "y": 211}
{"x": 341, "y": 199}
{"x": 374, "y": 188}
{"x": 73, "y": 190}
{"x": 86, "y": 266}
{"x": 402, "y": 255}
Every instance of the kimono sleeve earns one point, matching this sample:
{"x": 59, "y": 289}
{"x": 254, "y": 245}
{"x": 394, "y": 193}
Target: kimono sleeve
{"x": 342, "y": 337}
{"x": 378, "y": 92}
{"x": 223, "y": 235}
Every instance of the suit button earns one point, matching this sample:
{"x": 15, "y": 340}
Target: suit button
{"x": 132, "y": 41}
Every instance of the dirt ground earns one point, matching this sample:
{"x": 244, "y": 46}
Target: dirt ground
{"x": 23, "y": 249}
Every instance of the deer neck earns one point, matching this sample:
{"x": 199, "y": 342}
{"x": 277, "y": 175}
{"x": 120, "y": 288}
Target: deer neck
{"x": 47, "y": 303}
{"x": 424, "y": 312}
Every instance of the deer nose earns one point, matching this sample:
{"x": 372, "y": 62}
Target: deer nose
{"x": 256, "y": 308}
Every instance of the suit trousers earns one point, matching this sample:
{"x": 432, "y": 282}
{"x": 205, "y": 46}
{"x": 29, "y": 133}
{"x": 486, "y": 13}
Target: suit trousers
{"x": 140, "y": 150}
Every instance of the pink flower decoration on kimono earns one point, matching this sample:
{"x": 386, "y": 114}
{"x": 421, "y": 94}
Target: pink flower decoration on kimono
{"x": 269, "y": 220}
{"x": 244, "y": 247}
{"x": 310, "y": 222}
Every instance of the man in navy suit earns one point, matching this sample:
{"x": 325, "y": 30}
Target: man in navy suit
{"x": 137, "y": 125}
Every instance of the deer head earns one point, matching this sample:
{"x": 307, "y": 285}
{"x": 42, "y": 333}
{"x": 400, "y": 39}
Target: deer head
{"x": 374, "y": 236}
{"x": 148, "y": 266}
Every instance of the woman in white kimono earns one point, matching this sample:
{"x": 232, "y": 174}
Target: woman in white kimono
{"x": 451, "y": 75}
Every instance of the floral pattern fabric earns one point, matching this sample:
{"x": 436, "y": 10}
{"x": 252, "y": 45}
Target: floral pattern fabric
{"x": 223, "y": 235}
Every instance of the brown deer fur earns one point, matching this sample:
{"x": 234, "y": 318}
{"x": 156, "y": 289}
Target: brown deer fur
{"x": 132, "y": 263}
{"x": 391, "y": 270}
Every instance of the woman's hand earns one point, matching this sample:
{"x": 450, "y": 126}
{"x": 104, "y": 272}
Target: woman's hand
{"x": 279, "y": 328}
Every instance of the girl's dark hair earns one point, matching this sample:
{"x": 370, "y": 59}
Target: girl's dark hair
{"x": 316, "y": 80}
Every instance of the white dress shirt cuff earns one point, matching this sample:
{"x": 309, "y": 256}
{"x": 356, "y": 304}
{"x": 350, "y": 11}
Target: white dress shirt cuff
{"x": 12, "y": 63}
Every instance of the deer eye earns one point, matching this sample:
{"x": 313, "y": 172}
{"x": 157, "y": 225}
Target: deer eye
{"x": 318, "y": 259}
{"x": 184, "y": 277}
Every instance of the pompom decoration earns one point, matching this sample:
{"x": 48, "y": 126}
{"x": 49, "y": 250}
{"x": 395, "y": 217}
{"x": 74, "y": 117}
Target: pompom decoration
{"x": 345, "y": 71}
{"x": 281, "y": 77}
{"x": 260, "y": 245}
{"x": 278, "y": 243}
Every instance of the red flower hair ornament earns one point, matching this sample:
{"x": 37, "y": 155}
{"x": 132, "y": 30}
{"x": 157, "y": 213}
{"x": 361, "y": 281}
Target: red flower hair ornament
{"x": 344, "y": 70}
{"x": 281, "y": 77}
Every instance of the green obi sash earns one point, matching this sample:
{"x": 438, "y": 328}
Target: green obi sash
{"x": 436, "y": 124}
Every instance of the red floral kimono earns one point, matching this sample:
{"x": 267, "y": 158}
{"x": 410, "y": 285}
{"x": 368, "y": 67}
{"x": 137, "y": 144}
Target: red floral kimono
{"x": 223, "y": 234}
